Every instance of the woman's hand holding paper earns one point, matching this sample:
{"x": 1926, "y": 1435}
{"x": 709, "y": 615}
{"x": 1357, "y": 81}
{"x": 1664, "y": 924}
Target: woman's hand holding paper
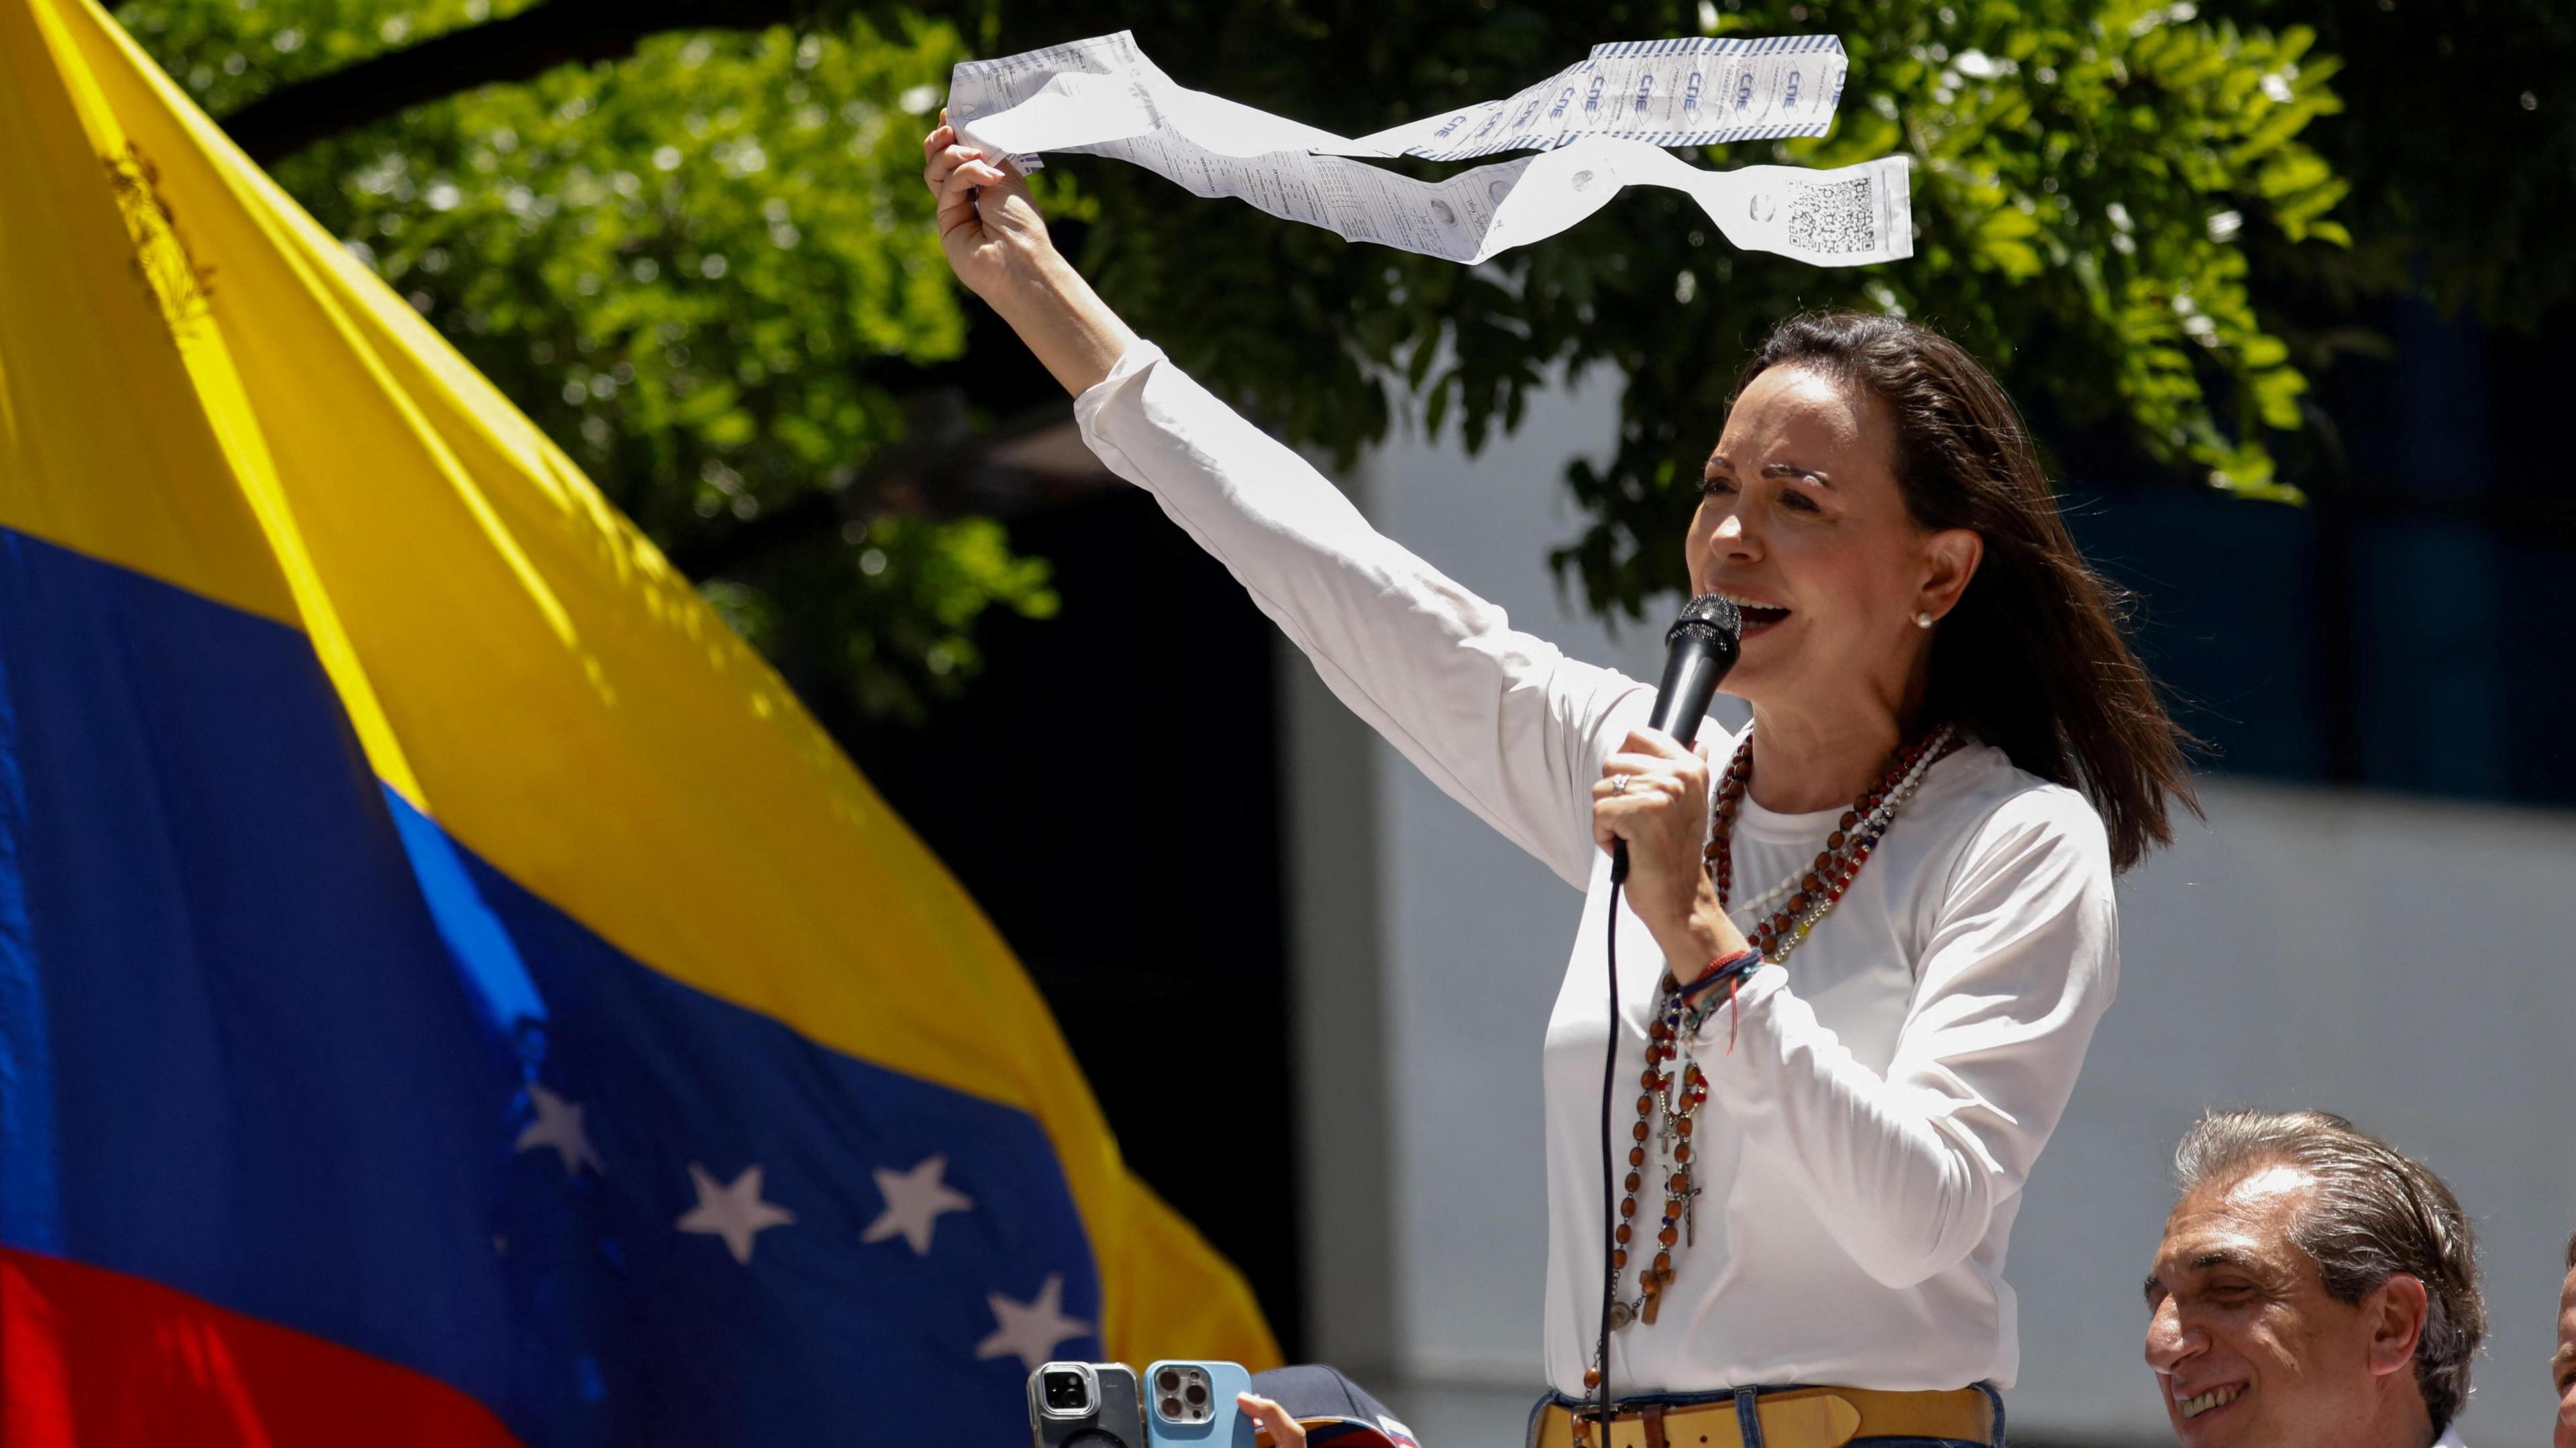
{"x": 997, "y": 243}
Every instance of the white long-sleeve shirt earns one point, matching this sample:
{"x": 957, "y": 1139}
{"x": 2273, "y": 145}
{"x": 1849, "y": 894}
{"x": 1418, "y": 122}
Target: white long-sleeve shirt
{"x": 1865, "y": 1142}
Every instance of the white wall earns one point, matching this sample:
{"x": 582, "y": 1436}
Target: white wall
{"x": 2403, "y": 963}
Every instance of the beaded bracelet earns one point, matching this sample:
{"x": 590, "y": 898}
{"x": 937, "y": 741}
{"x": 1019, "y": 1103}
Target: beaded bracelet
{"x": 1717, "y": 970}
{"x": 1733, "y": 972}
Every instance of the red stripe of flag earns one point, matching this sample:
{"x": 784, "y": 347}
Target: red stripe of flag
{"x": 91, "y": 1357}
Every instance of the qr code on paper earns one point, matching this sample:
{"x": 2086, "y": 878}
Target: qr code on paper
{"x": 1833, "y": 219}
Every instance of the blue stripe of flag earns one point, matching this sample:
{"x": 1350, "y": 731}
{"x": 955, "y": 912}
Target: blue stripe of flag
{"x": 290, "y": 1038}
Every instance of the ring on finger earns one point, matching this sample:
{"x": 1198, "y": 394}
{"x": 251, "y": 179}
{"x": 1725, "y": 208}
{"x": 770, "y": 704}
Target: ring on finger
{"x": 1619, "y": 785}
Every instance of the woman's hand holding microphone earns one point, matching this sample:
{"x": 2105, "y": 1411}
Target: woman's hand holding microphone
{"x": 998, "y": 245}
{"x": 1653, "y": 793}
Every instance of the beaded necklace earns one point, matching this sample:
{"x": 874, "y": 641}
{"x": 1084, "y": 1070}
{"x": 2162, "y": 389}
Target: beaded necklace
{"x": 1802, "y": 900}
{"x": 1811, "y": 893}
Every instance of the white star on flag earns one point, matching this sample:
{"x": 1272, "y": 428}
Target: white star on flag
{"x": 1030, "y": 1331}
{"x": 735, "y": 1213}
{"x": 914, "y": 1199}
{"x": 558, "y": 1125}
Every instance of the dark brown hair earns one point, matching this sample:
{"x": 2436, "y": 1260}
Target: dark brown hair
{"x": 2032, "y": 660}
{"x": 2373, "y": 1213}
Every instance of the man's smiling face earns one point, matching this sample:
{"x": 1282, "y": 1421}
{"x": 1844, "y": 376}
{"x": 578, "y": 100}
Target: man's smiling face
{"x": 2247, "y": 1345}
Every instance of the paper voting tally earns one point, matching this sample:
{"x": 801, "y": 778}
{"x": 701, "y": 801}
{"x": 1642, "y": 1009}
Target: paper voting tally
{"x": 1599, "y": 126}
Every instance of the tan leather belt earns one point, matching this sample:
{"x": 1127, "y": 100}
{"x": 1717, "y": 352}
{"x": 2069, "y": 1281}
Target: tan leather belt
{"x": 1791, "y": 1418}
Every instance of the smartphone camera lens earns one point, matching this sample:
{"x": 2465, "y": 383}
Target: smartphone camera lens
{"x": 1197, "y": 1394}
{"x": 1171, "y": 1407}
{"x": 1169, "y": 1380}
{"x": 1064, "y": 1392}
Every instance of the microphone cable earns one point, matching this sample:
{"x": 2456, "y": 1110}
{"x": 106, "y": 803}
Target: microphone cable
{"x": 1609, "y": 1201}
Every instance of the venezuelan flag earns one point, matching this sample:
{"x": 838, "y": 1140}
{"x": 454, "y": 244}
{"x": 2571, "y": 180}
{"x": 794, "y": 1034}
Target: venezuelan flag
{"x": 450, "y": 991}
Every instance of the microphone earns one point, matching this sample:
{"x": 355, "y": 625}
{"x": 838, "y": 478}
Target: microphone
{"x": 1699, "y": 649}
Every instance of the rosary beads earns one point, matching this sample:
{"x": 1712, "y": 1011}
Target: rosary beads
{"x": 1671, "y": 1084}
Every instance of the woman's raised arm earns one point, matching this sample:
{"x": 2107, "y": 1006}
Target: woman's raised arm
{"x": 1501, "y": 720}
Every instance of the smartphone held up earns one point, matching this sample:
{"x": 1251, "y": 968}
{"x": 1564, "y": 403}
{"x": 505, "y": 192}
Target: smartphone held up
{"x": 1100, "y": 1405}
{"x": 1085, "y": 1405}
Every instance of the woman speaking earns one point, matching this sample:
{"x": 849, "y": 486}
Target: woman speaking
{"x": 1860, "y": 959}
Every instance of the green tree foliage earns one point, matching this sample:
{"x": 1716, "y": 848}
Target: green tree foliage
{"x": 708, "y": 270}
{"x": 708, "y": 267}
{"x": 2088, "y": 177}
{"x": 2463, "y": 166}
{"x": 2463, "y": 169}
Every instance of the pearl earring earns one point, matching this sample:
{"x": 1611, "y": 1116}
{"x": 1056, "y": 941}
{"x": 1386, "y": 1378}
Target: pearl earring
{"x": 1923, "y": 620}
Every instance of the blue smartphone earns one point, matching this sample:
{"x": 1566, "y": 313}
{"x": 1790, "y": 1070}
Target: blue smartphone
{"x": 1191, "y": 1405}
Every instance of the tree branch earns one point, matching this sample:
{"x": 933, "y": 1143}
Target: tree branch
{"x": 524, "y": 45}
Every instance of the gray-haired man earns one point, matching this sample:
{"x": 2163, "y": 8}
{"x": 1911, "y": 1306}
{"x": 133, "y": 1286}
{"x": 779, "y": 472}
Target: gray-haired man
{"x": 2315, "y": 1289}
